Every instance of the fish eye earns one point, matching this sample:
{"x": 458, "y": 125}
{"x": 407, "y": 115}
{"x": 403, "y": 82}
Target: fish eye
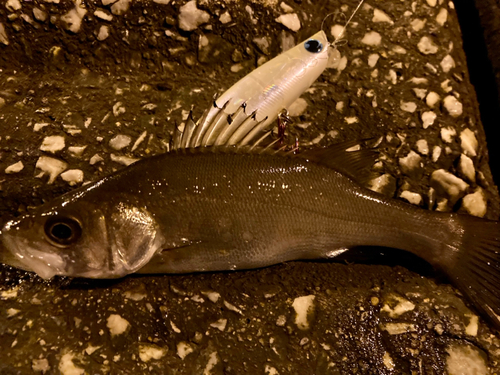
{"x": 62, "y": 231}
{"x": 313, "y": 46}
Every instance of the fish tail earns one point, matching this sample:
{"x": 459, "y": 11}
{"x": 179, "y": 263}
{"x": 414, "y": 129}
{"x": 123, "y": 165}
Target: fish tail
{"x": 475, "y": 268}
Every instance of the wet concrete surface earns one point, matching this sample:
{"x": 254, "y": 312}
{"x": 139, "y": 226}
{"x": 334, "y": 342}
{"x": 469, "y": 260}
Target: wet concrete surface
{"x": 297, "y": 318}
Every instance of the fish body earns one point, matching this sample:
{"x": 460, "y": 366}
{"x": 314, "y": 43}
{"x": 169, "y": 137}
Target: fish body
{"x": 225, "y": 209}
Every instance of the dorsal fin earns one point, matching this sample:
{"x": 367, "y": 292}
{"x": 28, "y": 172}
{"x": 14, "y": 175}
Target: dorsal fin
{"x": 354, "y": 164}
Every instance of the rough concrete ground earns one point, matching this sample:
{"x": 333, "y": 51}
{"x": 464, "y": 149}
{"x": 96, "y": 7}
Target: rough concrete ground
{"x": 98, "y": 84}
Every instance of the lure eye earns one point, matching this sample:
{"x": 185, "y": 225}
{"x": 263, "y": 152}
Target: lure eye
{"x": 313, "y": 46}
{"x": 62, "y": 231}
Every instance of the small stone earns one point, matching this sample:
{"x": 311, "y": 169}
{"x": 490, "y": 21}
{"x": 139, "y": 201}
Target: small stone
{"x": 183, "y": 349}
{"x": 52, "y": 167}
{"x": 286, "y": 8}
{"x": 281, "y": 321}
{"x": 379, "y": 16}
{"x": 448, "y": 183}
{"x": 73, "y": 176}
{"x": 219, "y": 324}
{"x": 464, "y": 359}
{"x": 422, "y": 146}
{"x": 53, "y": 143}
{"x": 372, "y": 38}
{"x": 453, "y": 106}
{"x": 304, "y": 307}
{"x": 150, "y": 351}
{"x": 118, "y": 109}
{"x": 408, "y": 106}
{"x": 432, "y": 3}
{"x": 432, "y": 98}
{"x": 428, "y": 119}
{"x": 3, "y": 35}
{"x": 40, "y": 365}
{"x": 39, "y": 14}
{"x": 466, "y": 168}
{"x": 225, "y": 18}
{"x": 420, "y": 93}
{"x": 475, "y": 203}
{"x": 290, "y": 20}
{"x": 117, "y": 325}
{"x": 427, "y": 46}
{"x": 15, "y": 168}
{"x": 468, "y": 142}
{"x": 72, "y": 129}
{"x": 373, "y": 59}
{"x": 447, "y": 63}
{"x": 103, "y": 33}
{"x": 13, "y": 5}
{"x": 120, "y": 7}
{"x": 447, "y": 134}
{"x": 162, "y": 2}
{"x": 190, "y": 17}
{"x": 297, "y": 108}
{"x": 398, "y": 328}
{"x": 442, "y": 16}
{"x": 263, "y": 44}
{"x": 39, "y": 125}
{"x": 413, "y": 198}
{"x": 417, "y": 24}
{"x": 95, "y": 159}
{"x": 410, "y": 162}
{"x": 72, "y": 20}
{"x": 103, "y": 15}
{"x": 388, "y": 361}
{"x": 123, "y": 160}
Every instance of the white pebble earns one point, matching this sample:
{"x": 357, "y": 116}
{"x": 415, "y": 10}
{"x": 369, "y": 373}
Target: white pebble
{"x": 4, "y": 39}
{"x": 417, "y": 24}
{"x": 286, "y": 8}
{"x": 388, "y": 361}
{"x": 447, "y": 134}
{"x": 428, "y": 118}
{"x": 15, "y": 168}
{"x": 73, "y": 176}
{"x": 445, "y": 85}
{"x": 117, "y": 325}
{"x": 442, "y": 16}
{"x": 120, "y": 141}
{"x": 378, "y": 184}
{"x": 13, "y": 5}
{"x": 420, "y": 93}
{"x": 103, "y": 33}
{"x": 72, "y": 129}
{"x": 398, "y": 328}
{"x": 40, "y": 125}
{"x": 190, "y": 17}
{"x": 379, "y": 16}
{"x": 124, "y": 160}
{"x": 422, "y": 146}
{"x": 469, "y": 142}
{"x": 399, "y": 49}
{"x": 298, "y": 107}
{"x": 212, "y": 296}
{"x": 373, "y": 59}
{"x": 183, "y": 349}
{"x": 103, "y": 15}
{"x": 408, "y": 106}
{"x": 427, "y": 46}
{"x": 77, "y": 150}
{"x": 53, "y": 143}
{"x": 436, "y": 153}
{"x": 120, "y": 7}
{"x": 432, "y": 3}
{"x": 447, "y": 63}
{"x": 410, "y": 161}
{"x": 402, "y": 304}
{"x": 303, "y": 307}
{"x": 465, "y": 360}
{"x": 67, "y": 367}
{"x": 95, "y": 159}
{"x": 450, "y": 183}
{"x": 40, "y": 365}
{"x": 149, "y": 351}
{"x": 475, "y": 203}
{"x": 118, "y": 109}
{"x": 453, "y": 106}
{"x": 225, "y": 18}
{"x": 372, "y": 38}
{"x": 219, "y": 324}
{"x": 337, "y": 31}
{"x": 432, "y": 98}
{"x": 53, "y": 167}
{"x": 290, "y": 20}
{"x": 466, "y": 168}
{"x": 413, "y": 198}
{"x": 72, "y": 20}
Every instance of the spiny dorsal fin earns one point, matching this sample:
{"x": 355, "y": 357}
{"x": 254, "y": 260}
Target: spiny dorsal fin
{"x": 354, "y": 164}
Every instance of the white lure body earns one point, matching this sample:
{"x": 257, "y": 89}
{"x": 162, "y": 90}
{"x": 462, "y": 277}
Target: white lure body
{"x": 251, "y": 105}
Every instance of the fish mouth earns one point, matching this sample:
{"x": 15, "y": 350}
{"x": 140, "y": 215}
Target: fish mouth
{"x": 20, "y": 254}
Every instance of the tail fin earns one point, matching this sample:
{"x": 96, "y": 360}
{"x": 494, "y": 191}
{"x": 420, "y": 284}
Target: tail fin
{"x": 476, "y": 270}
